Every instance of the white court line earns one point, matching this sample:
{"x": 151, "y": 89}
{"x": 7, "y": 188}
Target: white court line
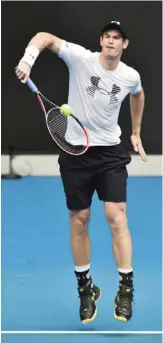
{"x": 85, "y": 332}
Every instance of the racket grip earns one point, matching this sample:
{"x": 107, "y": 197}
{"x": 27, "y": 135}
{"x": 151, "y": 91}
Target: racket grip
{"x": 32, "y": 86}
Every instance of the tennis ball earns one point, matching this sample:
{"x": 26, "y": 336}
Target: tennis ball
{"x": 65, "y": 110}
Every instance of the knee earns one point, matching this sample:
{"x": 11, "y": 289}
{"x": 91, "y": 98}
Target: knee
{"x": 79, "y": 221}
{"x": 117, "y": 221}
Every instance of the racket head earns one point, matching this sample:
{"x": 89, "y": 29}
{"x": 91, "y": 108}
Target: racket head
{"x": 57, "y": 125}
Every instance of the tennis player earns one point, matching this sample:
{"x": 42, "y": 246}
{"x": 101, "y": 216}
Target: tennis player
{"x": 98, "y": 83}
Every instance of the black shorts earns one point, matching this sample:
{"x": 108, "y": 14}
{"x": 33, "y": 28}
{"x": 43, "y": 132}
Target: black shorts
{"x": 101, "y": 169}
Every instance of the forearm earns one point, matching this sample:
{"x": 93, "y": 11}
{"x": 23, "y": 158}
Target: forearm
{"x": 38, "y": 43}
{"x": 136, "y": 109}
{"x": 42, "y": 40}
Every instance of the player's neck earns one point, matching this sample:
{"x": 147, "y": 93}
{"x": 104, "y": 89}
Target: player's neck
{"x": 109, "y": 64}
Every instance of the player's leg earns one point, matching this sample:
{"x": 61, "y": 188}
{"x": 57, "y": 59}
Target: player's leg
{"x": 121, "y": 237}
{"x": 122, "y": 250}
{"x": 79, "y": 188}
{"x": 111, "y": 187}
{"x": 80, "y": 246}
{"x": 80, "y": 242}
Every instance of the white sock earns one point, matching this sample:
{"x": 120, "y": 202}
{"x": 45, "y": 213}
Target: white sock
{"x": 80, "y": 269}
{"x": 125, "y": 271}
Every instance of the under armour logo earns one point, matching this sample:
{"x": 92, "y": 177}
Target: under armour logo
{"x": 95, "y": 81}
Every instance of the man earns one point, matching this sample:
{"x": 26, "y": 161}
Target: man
{"x": 98, "y": 83}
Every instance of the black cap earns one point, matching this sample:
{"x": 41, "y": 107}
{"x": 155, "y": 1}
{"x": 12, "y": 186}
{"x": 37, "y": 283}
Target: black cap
{"x": 114, "y": 25}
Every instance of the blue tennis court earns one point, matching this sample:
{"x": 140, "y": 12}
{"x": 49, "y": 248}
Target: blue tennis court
{"x": 38, "y": 283}
{"x": 78, "y": 338}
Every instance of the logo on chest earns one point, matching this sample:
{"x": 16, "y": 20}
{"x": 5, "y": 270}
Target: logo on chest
{"x": 95, "y": 88}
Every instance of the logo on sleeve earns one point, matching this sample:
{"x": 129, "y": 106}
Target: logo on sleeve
{"x": 95, "y": 88}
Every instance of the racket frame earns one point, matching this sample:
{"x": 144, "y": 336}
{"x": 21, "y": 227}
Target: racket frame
{"x": 39, "y": 97}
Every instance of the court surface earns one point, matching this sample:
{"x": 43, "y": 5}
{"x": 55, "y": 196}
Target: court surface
{"x": 79, "y": 338}
{"x": 38, "y": 282}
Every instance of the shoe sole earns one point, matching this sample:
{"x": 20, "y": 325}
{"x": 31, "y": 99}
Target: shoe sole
{"x": 121, "y": 319}
{"x": 86, "y": 321}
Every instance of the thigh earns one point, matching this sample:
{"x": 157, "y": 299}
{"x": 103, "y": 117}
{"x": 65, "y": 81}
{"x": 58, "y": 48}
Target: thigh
{"x": 77, "y": 181}
{"x": 111, "y": 181}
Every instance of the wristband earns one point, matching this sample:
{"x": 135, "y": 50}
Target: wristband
{"x": 30, "y": 56}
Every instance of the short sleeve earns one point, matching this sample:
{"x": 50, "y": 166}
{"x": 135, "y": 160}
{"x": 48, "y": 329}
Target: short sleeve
{"x": 137, "y": 86}
{"x": 72, "y": 54}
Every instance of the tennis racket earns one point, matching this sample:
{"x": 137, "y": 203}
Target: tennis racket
{"x": 57, "y": 124}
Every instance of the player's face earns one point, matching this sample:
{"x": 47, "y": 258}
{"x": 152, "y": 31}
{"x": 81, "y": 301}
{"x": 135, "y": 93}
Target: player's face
{"x": 112, "y": 44}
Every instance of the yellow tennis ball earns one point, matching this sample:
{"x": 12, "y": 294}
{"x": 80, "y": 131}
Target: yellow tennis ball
{"x": 65, "y": 110}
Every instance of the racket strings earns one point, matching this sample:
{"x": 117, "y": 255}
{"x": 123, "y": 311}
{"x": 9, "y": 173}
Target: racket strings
{"x": 57, "y": 125}
{"x": 58, "y": 122}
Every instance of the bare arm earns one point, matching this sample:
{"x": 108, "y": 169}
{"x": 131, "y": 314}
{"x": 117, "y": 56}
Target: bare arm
{"x": 137, "y": 107}
{"x": 37, "y": 44}
{"x": 43, "y": 40}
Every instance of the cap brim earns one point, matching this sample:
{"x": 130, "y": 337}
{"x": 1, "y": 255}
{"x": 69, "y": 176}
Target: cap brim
{"x": 114, "y": 26}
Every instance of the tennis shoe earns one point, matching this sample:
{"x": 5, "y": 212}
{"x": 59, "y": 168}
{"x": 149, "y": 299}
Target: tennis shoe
{"x": 123, "y": 303}
{"x": 88, "y": 295}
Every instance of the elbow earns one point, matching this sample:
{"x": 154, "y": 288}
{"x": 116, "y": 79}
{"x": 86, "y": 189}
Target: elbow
{"x": 44, "y": 39}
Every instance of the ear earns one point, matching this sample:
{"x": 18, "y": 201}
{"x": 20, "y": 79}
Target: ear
{"x": 125, "y": 44}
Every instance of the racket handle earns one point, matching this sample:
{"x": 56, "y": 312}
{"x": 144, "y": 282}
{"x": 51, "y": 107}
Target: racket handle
{"x": 32, "y": 86}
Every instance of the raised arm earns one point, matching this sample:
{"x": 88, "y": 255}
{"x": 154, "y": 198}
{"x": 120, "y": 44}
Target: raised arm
{"x": 37, "y": 44}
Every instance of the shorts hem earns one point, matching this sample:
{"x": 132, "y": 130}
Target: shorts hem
{"x": 113, "y": 200}
{"x": 78, "y": 208}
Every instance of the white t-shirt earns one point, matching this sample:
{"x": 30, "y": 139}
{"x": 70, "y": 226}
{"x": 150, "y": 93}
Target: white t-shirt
{"x": 96, "y": 94}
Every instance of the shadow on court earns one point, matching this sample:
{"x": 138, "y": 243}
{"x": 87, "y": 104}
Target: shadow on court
{"x": 38, "y": 282}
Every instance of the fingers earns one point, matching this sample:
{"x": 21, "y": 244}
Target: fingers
{"x": 23, "y": 71}
{"x": 25, "y": 79}
{"x": 137, "y": 145}
{"x": 142, "y": 153}
{"x": 21, "y": 75}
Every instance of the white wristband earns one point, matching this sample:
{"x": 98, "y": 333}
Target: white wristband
{"x": 31, "y": 53}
